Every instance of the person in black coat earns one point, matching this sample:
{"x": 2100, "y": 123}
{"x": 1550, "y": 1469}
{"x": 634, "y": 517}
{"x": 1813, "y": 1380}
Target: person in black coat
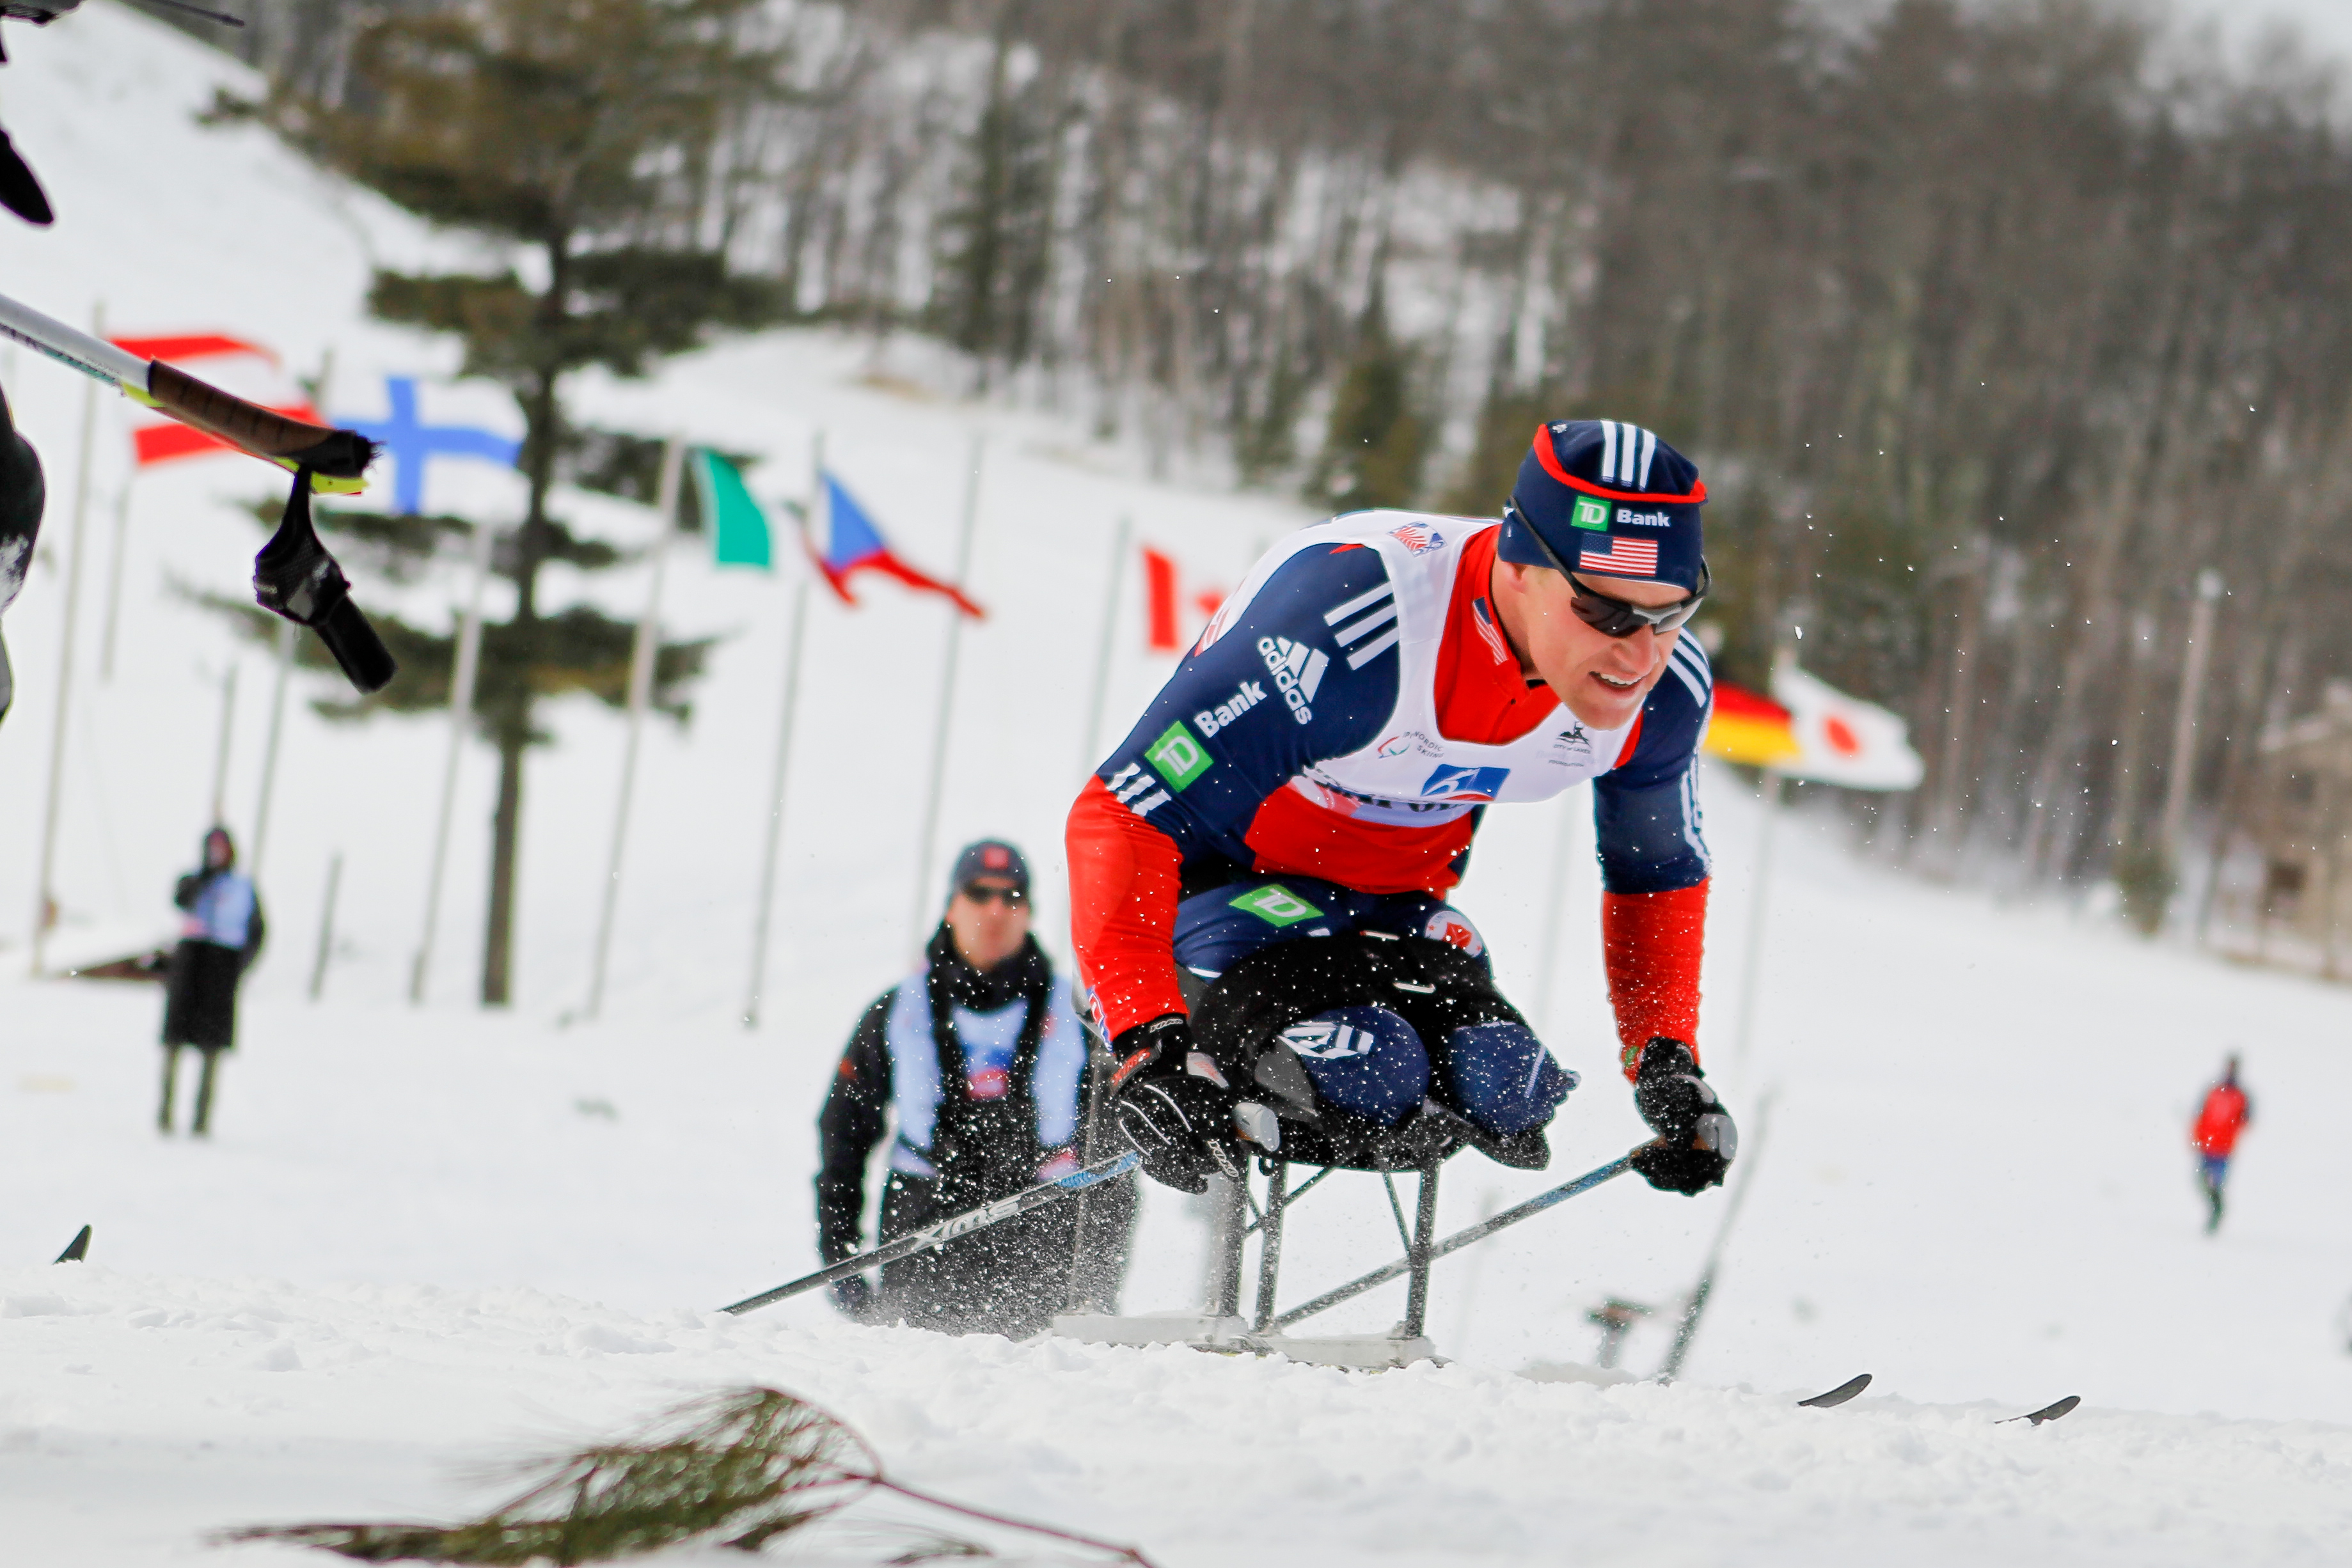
{"x": 220, "y": 935}
{"x": 976, "y": 1068}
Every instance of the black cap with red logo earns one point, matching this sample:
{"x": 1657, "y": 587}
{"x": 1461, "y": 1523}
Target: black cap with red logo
{"x": 991, "y": 858}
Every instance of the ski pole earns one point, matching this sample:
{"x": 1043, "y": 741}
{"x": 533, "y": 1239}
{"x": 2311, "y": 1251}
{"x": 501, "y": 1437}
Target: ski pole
{"x": 948, "y": 1229}
{"x": 1696, "y": 1308}
{"x": 1461, "y": 1239}
{"x": 337, "y": 459}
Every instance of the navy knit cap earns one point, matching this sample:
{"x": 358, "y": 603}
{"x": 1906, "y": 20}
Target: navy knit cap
{"x": 990, "y": 858}
{"x": 1611, "y": 499}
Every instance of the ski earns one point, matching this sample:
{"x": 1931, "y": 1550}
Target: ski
{"x": 1845, "y": 1391}
{"x": 948, "y": 1229}
{"x": 1838, "y": 1395}
{"x": 78, "y": 1250}
{"x": 2048, "y": 1412}
{"x": 337, "y": 459}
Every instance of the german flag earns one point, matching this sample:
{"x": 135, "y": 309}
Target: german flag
{"x": 1745, "y": 727}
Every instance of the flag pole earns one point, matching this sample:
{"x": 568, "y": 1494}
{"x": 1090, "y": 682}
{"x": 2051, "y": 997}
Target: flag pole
{"x": 929, "y": 841}
{"x": 220, "y": 751}
{"x": 326, "y": 927}
{"x": 776, "y": 804}
{"x": 286, "y": 635}
{"x": 1103, "y": 644}
{"x": 44, "y": 898}
{"x": 783, "y": 747}
{"x": 1555, "y": 907}
{"x": 1751, "y": 972}
{"x": 462, "y": 681}
{"x": 641, "y": 688}
{"x": 114, "y": 579}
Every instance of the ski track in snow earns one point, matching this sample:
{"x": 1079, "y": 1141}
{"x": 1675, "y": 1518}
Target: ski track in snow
{"x": 428, "y": 1241}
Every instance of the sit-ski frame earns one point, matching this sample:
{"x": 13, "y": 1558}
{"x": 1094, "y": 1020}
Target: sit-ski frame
{"x": 1220, "y": 1325}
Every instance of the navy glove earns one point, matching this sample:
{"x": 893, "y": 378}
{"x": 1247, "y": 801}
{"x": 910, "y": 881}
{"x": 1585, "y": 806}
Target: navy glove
{"x": 1178, "y": 1115}
{"x": 1697, "y": 1139}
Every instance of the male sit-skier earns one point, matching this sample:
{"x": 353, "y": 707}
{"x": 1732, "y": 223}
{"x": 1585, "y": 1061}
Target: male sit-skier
{"x": 1258, "y": 873}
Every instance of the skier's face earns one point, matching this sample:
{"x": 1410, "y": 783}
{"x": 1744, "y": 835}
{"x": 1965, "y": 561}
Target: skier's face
{"x": 989, "y": 920}
{"x": 1601, "y": 679}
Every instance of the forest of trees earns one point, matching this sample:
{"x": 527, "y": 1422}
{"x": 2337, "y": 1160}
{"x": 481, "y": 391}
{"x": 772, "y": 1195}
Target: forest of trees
{"x": 1992, "y": 325}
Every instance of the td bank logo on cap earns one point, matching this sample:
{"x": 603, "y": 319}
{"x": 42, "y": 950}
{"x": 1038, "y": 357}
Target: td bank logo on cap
{"x": 1177, "y": 757}
{"x": 1277, "y": 905}
{"x": 1589, "y": 513}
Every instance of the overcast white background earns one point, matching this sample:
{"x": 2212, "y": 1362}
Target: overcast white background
{"x": 2325, "y": 24}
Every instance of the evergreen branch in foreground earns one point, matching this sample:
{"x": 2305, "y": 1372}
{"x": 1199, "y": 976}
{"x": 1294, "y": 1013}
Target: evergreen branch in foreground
{"x": 735, "y": 1469}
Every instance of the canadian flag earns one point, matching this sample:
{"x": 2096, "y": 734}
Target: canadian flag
{"x": 1164, "y": 601}
{"x": 232, "y": 364}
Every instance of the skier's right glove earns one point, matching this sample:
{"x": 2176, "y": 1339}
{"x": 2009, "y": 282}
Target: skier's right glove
{"x": 1697, "y": 1139}
{"x": 1171, "y": 1103}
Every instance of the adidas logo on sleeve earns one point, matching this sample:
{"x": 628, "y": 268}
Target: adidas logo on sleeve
{"x": 1298, "y": 672}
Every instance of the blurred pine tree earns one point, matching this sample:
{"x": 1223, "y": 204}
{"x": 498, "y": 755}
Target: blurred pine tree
{"x": 588, "y": 137}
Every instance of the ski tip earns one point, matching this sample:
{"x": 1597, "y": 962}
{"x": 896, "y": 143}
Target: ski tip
{"x": 1838, "y": 1395}
{"x": 2048, "y": 1412}
{"x": 78, "y": 1250}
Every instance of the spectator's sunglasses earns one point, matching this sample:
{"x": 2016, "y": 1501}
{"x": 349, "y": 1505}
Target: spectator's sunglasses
{"x": 981, "y": 893}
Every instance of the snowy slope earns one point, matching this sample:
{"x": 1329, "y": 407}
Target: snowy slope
{"x": 1973, "y": 1182}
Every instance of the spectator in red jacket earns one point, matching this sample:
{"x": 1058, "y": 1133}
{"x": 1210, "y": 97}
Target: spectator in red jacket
{"x": 2227, "y": 1112}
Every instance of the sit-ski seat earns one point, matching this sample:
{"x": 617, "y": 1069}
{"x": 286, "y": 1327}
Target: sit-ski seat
{"x": 1238, "y": 1019}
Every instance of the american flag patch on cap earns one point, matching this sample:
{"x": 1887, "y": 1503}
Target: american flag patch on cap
{"x": 1627, "y": 557}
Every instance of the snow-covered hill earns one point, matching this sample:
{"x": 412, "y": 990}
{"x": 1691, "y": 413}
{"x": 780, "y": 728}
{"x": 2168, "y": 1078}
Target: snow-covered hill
{"x": 424, "y": 1238}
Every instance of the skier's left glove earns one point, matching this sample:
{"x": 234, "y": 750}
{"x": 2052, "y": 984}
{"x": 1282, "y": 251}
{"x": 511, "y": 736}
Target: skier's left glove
{"x": 1171, "y": 1104}
{"x": 1697, "y": 1139}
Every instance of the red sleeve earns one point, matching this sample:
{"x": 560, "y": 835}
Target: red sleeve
{"x": 1124, "y": 874}
{"x": 1651, "y": 944}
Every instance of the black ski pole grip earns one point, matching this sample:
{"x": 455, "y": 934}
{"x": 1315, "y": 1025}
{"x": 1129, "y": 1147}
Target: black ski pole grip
{"x": 367, "y": 664}
{"x": 295, "y": 577}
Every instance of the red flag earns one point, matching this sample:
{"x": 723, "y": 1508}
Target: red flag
{"x": 163, "y": 442}
{"x": 1163, "y": 600}
{"x": 1160, "y": 601}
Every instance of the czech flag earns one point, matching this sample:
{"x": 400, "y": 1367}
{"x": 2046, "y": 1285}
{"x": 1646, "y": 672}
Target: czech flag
{"x": 845, "y": 541}
{"x": 256, "y": 379}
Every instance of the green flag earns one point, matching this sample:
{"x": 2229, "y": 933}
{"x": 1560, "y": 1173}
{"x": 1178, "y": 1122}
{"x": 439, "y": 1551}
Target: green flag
{"x": 739, "y": 529}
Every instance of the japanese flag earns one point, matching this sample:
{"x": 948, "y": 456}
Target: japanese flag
{"x": 1839, "y": 739}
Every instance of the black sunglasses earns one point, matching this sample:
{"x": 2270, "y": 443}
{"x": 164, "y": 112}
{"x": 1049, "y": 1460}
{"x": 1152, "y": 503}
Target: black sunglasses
{"x": 981, "y": 893}
{"x": 1617, "y": 617}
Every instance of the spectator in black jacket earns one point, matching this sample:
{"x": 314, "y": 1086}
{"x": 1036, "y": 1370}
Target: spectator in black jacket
{"x": 980, "y": 1060}
{"x": 220, "y": 935}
